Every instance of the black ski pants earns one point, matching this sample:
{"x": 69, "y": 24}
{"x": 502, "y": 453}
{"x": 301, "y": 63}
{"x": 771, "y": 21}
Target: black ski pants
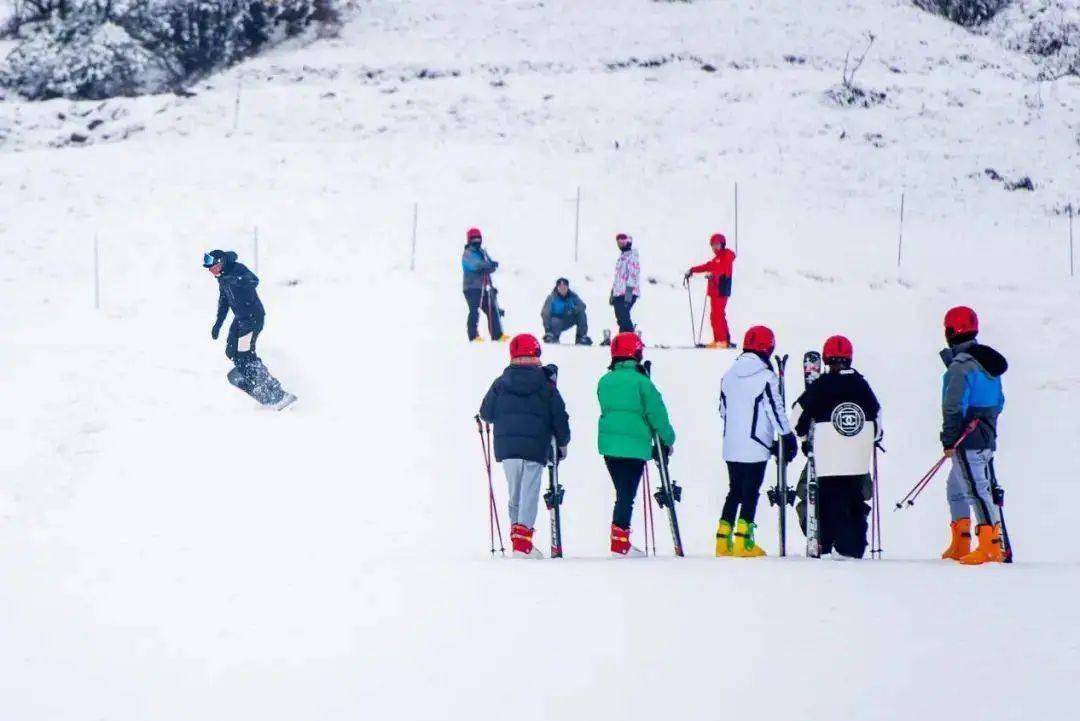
{"x": 625, "y": 476}
{"x": 622, "y": 313}
{"x": 485, "y": 299}
{"x": 744, "y": 487}
{"x": 250, "y": 374}
{"x": 842, "y": 514}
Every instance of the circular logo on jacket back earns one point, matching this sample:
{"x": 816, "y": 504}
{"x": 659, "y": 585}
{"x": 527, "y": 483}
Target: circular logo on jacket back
{"x": 848, "y": 419}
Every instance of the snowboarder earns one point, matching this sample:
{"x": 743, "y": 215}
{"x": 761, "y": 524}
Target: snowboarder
{"x": 527, "y": 411}
{"x": 720, "y": 269}
{"x": 971, "y": 391}
{"x": 754, "y": 416}
{"x": 477, "y": 267}
{"x": 841, "y": 417}
{"x": 564, "y": 310}
{"x": 626, "y": 288}
{"x": 631, "y": 410}
{"x": 237, "y": 292}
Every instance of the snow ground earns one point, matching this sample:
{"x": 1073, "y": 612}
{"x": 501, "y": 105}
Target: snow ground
{"x": 170, "y": 552}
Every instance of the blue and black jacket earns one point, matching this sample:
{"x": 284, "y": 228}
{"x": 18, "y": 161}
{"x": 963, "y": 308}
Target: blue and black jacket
{"x": 971, "y": 389}
{"x": 476, "y": 267}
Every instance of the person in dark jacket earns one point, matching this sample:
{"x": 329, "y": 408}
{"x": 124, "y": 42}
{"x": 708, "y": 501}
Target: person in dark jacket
{"x": 477, "y": 267}
{"x": 528, "y": 412}
{"x": 971, "y": 393}
{"x": 237, "y": 292}
{"x": 841, "y": 417}
{"x": 564, "y": 310}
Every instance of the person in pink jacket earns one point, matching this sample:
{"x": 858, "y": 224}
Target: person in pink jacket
{"x": 626, "y": 288}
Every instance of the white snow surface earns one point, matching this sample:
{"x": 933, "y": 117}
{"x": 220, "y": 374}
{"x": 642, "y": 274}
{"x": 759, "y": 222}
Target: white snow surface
{"x": 170, "y": 551}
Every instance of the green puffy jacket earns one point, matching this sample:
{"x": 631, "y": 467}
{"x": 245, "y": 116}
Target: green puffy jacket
{"x": 630, "y": 410}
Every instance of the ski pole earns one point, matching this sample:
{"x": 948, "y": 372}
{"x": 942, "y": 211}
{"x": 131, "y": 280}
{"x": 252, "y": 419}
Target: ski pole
{"x": 920, "y": 486}
{"x": 649, "y": 512}
{"x": 690, "y": 300}
{"x": 701, "y": 325}
{"x": 493, "y": 514}
{"x": 875, "y": 531}
{"x": 998, "y": 494}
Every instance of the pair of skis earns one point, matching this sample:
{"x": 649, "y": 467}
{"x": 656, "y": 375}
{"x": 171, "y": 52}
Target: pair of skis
{"x": 669, "y": 493}
{"x": 781, "y": 496}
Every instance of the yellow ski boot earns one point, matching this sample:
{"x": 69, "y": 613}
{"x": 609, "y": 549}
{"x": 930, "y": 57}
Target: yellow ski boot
{"x": 477, "y": 339}
{"x": 744, "y": 546}
{"x": 723, "y": 539}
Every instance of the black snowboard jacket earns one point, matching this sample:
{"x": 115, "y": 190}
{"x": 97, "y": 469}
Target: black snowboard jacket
{"x": 237, "y": 292}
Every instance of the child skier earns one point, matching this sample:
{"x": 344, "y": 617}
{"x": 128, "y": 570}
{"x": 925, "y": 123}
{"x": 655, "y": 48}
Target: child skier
{"x": 841, "y": 418}
{"x": 626, "y": 288}
{"x": 753, "y": 416}
{"x": 631, "y": 411}
{"x": 720, "y": 269}
{"x": 527, "y": 411}
{"x": 237, "y": 292}
{"x": 971, "y": 392}
{"x": 477, "y": 267}
{"x": 564, "y": 310}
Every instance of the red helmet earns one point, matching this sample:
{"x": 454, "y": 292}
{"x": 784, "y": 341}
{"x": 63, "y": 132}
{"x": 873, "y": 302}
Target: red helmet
{"x": 627, "y": 345}
{"x": 524, "y": 346}
{"x": 759, "y": 339}
{"x": 838, "y": 347}
{"x": 718, "y": 239}
{"x": 961, "y": 320}
{"x": 472, "y": 233}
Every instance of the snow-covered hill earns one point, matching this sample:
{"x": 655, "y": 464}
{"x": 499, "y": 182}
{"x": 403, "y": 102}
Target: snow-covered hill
{"x": 170, "y": 552}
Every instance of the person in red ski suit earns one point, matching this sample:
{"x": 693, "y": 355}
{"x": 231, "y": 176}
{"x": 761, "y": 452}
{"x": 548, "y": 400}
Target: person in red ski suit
{"x": 720, "y": 270}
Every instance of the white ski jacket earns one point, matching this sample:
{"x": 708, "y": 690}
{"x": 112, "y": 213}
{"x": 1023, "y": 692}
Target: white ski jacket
{"x": 752, "y": 410}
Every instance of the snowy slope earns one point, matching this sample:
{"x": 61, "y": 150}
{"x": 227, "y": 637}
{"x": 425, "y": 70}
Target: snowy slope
{"x": 170, "y": 552}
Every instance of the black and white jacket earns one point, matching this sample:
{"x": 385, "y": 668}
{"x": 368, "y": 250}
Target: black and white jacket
{"x": 752, "y": 410}
{"x": 845, "y": 417}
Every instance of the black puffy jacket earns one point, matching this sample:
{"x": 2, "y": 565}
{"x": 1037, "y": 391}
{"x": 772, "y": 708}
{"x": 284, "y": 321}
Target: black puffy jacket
{"x": 527, "y": 411}
{"x": 237, "y": 291}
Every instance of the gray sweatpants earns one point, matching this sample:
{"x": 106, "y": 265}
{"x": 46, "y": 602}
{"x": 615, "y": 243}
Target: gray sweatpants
{"x": 969, "y": 486}
{"x": 523, "y": 480}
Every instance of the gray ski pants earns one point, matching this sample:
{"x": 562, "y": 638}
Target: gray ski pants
{"x": 969, "y": 486}
{"x": 523, "y": 479}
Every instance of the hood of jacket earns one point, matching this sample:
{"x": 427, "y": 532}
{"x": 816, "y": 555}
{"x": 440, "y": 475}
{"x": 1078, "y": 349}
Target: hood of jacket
{"x": 522, "y": 380}
{"x": 749, "y": 364}
{"x": 989, "y": 359}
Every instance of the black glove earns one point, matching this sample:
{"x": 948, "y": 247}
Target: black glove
{"x": 611, "y": 299}
{"x": 628, "y": 296}
{"x": 215, "y": 331}
{"x": 562, "y": 453}
{"x": 667, "y": 450}
{"x": 686, "y": 278}
{"x": 791, "y": 447}
{"x": 806, "y": 448}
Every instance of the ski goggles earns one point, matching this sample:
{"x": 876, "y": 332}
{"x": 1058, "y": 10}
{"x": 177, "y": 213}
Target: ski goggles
{"x": 209, "y": 260}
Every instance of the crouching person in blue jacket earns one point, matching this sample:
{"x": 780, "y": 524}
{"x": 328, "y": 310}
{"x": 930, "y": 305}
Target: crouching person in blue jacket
{"x": 564, "y": 310}
{"x": 527, "y": 411}
{"x": 237, "y": 292}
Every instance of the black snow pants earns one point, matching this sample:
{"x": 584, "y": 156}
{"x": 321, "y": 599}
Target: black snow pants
{"x": 485, "y": 299}
{"x": 561, "y": 323}
{"x": 745, "y": 481}
{"x": 625, "y": 476}
{"x": 622, "y": 313}
{"x": 842, "y": 514}
{"x": 249, "y": 373}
